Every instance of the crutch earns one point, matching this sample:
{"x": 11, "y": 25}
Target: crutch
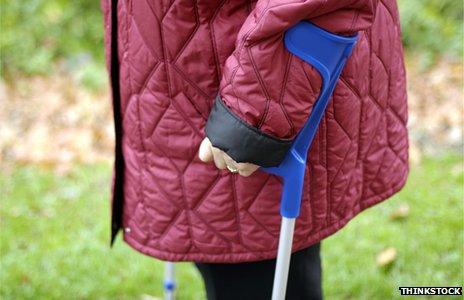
{"x": 169, "y": 280}
{"x": 327, "y": 53}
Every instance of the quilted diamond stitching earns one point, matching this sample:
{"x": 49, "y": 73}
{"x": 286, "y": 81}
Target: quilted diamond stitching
{"x": 236, "y": 210}
{"x": 321, "y": 139}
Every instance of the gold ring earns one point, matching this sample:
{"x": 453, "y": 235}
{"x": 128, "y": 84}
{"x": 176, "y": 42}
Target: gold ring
{"x": 232, "y": 169}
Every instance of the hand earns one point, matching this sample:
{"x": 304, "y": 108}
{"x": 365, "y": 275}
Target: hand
{"x": 208, "y": 153}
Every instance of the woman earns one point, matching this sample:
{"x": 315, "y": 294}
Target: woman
{"x": 180, "y": 66}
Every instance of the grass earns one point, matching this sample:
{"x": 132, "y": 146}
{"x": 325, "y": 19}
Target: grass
{"x": 54, "y": 240}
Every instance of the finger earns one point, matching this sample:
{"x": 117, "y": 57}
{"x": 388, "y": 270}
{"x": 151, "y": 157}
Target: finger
{"x": 204, "y": 152}
{"x": 247, "y": 167}
{"x": 230, "y": 162}
{"x": 246, "y": 171}
{"x": 218, "y": 158}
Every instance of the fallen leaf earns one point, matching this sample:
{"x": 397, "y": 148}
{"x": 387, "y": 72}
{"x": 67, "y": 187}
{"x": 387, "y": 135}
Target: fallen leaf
{"x": 149, "y": 297}
{"x": 386, "y": 257}
{"x": 415, "y": 154}
{"x": 401, "y": 212}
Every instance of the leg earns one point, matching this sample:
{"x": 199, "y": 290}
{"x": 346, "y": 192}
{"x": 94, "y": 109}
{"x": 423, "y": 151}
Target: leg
{"x": 245, "y": 281}
{"x": 253, "y": 280}
{"x": 305, "y": 277}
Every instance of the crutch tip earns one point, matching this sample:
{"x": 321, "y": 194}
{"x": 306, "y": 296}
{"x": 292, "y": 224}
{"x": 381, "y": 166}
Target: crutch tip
{"x": 169, "y": 285}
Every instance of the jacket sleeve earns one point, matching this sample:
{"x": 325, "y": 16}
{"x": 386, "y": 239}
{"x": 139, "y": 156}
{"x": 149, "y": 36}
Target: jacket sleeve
{"x": 266, "y": 94}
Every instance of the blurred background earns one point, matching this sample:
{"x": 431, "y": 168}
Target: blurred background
{"x": 56, "y": 146}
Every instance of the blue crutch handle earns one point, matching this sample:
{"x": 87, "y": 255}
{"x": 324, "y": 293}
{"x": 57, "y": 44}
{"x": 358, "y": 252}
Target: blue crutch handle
{"x": 327, "y": 53}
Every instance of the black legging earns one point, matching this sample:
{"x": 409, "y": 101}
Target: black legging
{"x": 253, "y": 280}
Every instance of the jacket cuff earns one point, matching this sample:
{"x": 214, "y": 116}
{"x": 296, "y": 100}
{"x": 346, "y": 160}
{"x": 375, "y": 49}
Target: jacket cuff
{"x": 241, "y": 141}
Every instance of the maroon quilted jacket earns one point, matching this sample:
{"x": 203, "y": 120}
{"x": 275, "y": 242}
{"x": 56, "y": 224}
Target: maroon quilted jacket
{"x": 177, "y": 65}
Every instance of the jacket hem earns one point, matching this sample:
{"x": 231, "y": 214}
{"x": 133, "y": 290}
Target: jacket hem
{"x": 263, "y": 255}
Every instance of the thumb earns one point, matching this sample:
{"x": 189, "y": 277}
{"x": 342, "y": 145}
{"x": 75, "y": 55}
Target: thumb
{"x": 205, "y": 153}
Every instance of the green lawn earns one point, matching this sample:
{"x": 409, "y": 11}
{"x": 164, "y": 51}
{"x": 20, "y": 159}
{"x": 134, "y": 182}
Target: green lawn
{"x": 54, "y": 240}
